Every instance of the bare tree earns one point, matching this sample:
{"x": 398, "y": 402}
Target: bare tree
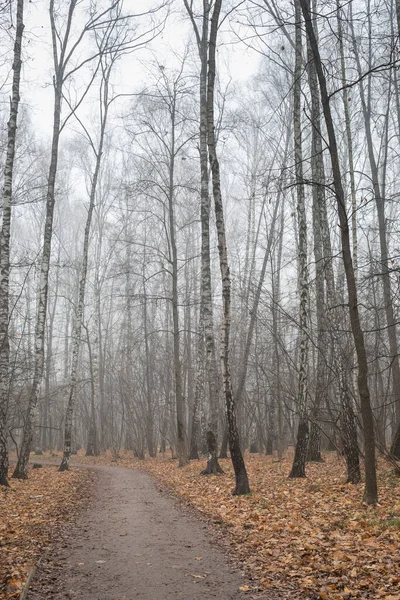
{"x": 5, "y": 243}
{"x": 64, "y": 48}
{"x": 371, "y": 492}
{"x": 110, "y": 47}
{"x": 207, "y": 323}
{"x": 242, "y": 483}
{"x": 300, "y": 457}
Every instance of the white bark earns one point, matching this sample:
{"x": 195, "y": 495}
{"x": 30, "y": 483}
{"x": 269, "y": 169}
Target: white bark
{"x": 5, "y": 243}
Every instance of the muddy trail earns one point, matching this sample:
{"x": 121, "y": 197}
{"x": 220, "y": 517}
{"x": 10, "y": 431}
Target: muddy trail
{"x": 135, "y": 541}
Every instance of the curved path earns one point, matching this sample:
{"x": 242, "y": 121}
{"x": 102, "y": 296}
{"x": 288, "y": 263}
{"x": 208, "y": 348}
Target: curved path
{"x": 134, "y": 542}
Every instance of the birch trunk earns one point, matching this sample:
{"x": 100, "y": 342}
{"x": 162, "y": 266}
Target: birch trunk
{"x": 149, "y": 384}
{"x": 182, "y": 443}
{"x": 242, "y": 483}
{"x": 21, "y": 469}
{"x": 349, "y": 141}
{"x": 300, "y": 457}
{"x": 49, "y": 356}
{"x": 92, "y": 443}
{"x": 276, "y": 298}
{"x": 318, "y": 198}
{"x": 77, "y": 331}
{"x": 212, "y": 466}
{"x": 371, "y": 491}
{"x": 5, "y": 243}
{"x": 198, "y": 389}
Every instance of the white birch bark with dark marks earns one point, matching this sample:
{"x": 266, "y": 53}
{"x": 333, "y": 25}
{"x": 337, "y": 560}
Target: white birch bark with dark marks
{"x": 242, "y": 482}
{"x": 300, "y": 457}
{"x": 5, "y": 235}
{"x": 21, "y": 469}
{"x": 212, "y": 466}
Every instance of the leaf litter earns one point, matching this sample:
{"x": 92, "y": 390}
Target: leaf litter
{"x": 32, "y": 511}
{"x": 302, "y": 538}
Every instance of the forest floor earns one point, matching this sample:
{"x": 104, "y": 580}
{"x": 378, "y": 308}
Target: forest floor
{"x": 299, "y": 539}
{"x": 32, "y": 514}
{"x": 135, "y": 541}
{"x": 302, "y": 539}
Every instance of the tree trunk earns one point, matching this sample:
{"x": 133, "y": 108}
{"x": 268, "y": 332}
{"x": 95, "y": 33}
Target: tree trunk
{"x": 198, "y": 389}
{"x": 242, "y": 483}
{"x": 212, "y": 466}
{"x": 349, "y": 433}
{"x": 5, "y": 244}
{"x": 384, "y": 251}
{"x": 318, "y": 197}
{"x": 300, "y": 458}
{"x": 371, "y": 491}
{"x": 49, "y": 357}
{"x": 182, "y": 448}
{"x": 92, "y": 447}
{"x": 224, "y": 444}
{"x": 149, "y": 385}
{"x": 76, "y": 337}
{"x": 21, "y": 469}
{"x": 61, "y": 58}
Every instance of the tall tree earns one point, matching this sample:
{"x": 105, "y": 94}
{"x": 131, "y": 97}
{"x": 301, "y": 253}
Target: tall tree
{"x": 300, "y": 456}
{"x": 109, "y": 52}
{"x": 207, "y": 321}
{"x": 371, "y": 490}
{"x": 64, "y": 48}
{"x": 5, "y": 235}
{"x": 242, "y": 482}
{"x": 380, "y": 203}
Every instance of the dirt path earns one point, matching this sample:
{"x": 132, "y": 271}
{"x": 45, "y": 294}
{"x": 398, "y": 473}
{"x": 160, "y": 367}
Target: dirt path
{"x": 135, "y": 542}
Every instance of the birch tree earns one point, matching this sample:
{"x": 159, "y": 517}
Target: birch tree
{"x": 242, "y": 482}
{"x": 64, "y": 46}
{"x": 110, "y": 48}
{"x": 207, "y": 322}
{"x": 5, "y": 235}
{"x": 370, "y": 492}
{"x": 300, "y": 457}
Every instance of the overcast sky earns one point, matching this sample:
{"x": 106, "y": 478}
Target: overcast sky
{"x": 236, "y": 62}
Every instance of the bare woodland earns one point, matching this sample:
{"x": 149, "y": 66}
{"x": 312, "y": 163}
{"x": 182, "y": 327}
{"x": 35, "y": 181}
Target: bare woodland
{"x": 191, "y": 261}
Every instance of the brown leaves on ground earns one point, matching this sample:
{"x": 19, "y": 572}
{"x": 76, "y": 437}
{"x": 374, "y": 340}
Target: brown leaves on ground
{"x": 31, "y": 512}
{"x": 304, "y": 538}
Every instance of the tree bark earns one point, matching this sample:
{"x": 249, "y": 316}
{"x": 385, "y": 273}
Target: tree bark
{"x": 212, "y": 466}
{"x": 300, "y": 457}
{"x": 76, "y": 336}
{"x": 5, "y": 243}
{"x": 371, "y": 491}
{"x": 182, "y": 445}
{"x": 242, "y": 482}
{"x": 384, "y": 251}
{"x": 21, "y": 469}
{"x": 318, "y": 198}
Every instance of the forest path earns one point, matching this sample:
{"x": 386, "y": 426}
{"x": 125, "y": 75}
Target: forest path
{"x": 135, "y": 542}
